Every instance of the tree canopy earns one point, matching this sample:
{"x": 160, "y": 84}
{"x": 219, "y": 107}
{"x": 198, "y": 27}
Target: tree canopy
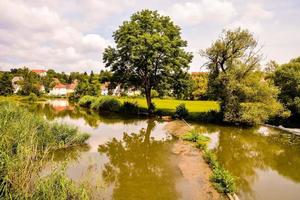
{"x": 149, "y": 52}
{"x": 287, "y": 79}
{"x": 235, "y": 79}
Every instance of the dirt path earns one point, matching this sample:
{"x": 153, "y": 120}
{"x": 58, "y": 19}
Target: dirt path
{"x": 192, "y": 165}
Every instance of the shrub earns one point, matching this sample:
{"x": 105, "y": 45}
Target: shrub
{"x": 86, "y": 101}
{"x": 106, "y": 104}
{"x": 129, "y": 108}
{"x": 210, "y": 158}
{"x": 32, "y": 97}
{"x": 191, "y": 136}
{"x": 181, "y": 111}
{"x": 202, "y": 141}
{"x": 223, "y": 180}
{"x": 25, "y": 140}
{"x": 58, "y": 186}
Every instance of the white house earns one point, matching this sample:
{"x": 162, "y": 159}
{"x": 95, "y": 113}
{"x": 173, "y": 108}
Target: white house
{"x": 40, "y": 72}
{"x": 62, "y": 89}
{"x": 16, "y": 83}
{"x": 104, "y": 88}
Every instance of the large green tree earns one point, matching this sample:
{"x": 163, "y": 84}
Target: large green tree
{"x": 149, "y": 51}
{"x": 235, "y": 79}
{"x": 287, "y": 78}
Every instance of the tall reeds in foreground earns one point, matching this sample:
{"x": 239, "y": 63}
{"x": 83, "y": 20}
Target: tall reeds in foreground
{"x": 25, "y": 141}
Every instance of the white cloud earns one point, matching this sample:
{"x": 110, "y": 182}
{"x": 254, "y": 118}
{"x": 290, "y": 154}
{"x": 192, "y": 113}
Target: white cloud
{"x": 205, "y": 10}
{"x": 39, "y": 36}
{"x": 252, "y": 17}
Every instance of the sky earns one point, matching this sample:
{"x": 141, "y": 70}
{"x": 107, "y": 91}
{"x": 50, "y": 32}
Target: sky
{"x": 71, "y": 35}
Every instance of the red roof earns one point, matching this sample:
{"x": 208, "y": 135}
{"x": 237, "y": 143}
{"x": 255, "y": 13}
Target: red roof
{"x": 59, "y": 85}
{"x": 67, "y": 86}
{"x": 39, "y": 70}
{"x": 71, "y": 86}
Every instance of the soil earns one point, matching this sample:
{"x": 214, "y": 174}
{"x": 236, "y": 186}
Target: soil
{"x": 192, "y": 166}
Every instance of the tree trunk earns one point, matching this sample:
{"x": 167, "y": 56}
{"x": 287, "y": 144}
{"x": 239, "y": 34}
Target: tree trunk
{"x": 148, "y": 98}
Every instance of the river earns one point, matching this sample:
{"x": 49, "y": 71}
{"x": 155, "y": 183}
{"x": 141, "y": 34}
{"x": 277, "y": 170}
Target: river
{"x": 131, "y": 158}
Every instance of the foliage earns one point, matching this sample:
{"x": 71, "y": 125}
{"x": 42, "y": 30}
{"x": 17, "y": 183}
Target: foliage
{"x": 287, "y": 79}
{"x": 154, "y": 93}
{"x": 223, "y": 180}
{"x": 149, "y": 51}
{"x": 200, "y": 82}
{"x": 85, "y": 87}
{"x": 86, "y": 101}
{"x": 234, "y": 79}
{"x": 129, "y": 108}
{"x": 25, "y": 141}
{"x": 58, "y": 186}
{"x": 181, "y": 111}
{"x": 32, "y": 97}
{"x": 106, "y": 104}
{"x": 5, "y": 84}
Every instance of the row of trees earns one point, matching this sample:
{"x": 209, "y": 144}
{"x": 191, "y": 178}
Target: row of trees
{"x": 150, "y": 54}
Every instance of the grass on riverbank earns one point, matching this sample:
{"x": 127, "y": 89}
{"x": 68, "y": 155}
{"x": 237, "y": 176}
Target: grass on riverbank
{"x": 169, "y": 105}
{"x": 26, "y": 140}
{"x": 223, "y": 181}
{"x": 205, "y": 111}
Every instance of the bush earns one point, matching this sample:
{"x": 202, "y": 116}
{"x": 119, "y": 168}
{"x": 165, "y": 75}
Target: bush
{"x": 25, "y": 140}
{"x": 181, "y": 111}
{"x": 202, "y": 141}
{"x": 58, "y": 186}
{"x": 106, "y": 104}
{"x": 32, "y": 97}
{"x": 223, "y": 181}
{"x": 210, "y": 158}
{"x": 129, "y": 108}
{"x": 86, "y": 101}
{"x": 191, "y": 136}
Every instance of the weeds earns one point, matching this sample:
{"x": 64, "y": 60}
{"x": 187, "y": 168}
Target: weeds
{"x": 25, "y": 141}
{"x": 222, "y": 180}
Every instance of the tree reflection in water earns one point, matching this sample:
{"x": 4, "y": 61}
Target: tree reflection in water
{"x": 139, "y": 166}
{"x": 245, "y": 151}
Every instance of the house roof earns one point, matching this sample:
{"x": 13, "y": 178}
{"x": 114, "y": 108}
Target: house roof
{"x": 66, "y": 86}
{"x": 39, "y": 71}
{"x": 59, "y": 86}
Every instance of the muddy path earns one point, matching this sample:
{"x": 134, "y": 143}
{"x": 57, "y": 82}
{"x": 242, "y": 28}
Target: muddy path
{"x": 192, "y": 166}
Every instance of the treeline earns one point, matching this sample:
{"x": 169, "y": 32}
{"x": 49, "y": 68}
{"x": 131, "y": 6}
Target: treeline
{"x": 31, "y": 82}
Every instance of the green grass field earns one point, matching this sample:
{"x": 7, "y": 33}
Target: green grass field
{"x": 170, "y": 104}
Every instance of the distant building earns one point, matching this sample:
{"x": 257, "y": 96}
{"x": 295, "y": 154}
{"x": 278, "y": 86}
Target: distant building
{"x": 63, "y": 89}
{"x": 104, "y": 88}
{"x": 40, "y": 72}
{"x": 16, "y": 83}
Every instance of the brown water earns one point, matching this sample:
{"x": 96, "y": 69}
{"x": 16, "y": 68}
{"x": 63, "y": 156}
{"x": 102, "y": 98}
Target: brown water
{"x": 132, "y": 158}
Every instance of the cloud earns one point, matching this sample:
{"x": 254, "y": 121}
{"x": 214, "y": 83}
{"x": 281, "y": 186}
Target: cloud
{"x": 194, "y": 13}
{"x": 40, "y": 36}
{"x": 252, "y": 17}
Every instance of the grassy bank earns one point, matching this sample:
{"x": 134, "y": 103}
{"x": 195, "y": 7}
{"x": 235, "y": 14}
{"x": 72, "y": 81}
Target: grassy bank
{"x": 222, "y": 180}
{"x": 26, "y": 139}
{"x": 169, "y": 105}
{"x": 204, "y": 111}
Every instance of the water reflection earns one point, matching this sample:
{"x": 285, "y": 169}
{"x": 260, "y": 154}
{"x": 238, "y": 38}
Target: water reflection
{"x": 253, "y": 155}
{"x": 139, "y": 165}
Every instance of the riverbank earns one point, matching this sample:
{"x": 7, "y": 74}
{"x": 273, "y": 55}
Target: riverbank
{"x": 192, "y": 165}
{"x": 26, "y": 141}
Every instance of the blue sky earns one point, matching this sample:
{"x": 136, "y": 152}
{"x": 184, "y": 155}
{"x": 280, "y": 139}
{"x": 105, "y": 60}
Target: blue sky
{"x": 71, "y": 35}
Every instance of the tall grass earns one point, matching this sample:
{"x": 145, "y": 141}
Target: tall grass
{"x": 223, "y": 181}
{"x": 25, "y": 140}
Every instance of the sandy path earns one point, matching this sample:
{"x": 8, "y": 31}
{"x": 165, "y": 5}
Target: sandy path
{"x": 192, "y": 166}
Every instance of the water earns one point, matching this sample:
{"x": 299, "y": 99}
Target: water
{"x": 132, "y": 158}
{"x": 265, "y": 161}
